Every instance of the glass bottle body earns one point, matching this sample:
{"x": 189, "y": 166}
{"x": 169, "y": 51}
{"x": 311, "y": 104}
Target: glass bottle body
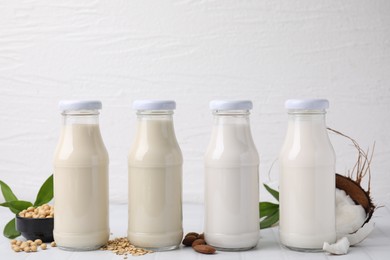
{"x": 231, "y": 184}
{"x": 81, "y": 161}
{"x": 307, "y": 183}
{"x": 155, "y": 183}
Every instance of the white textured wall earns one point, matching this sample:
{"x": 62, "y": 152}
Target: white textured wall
{"x": 190, "y": 51}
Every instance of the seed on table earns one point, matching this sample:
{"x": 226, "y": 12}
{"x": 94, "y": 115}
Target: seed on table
{"x": 192, "y": 234}
{"x": 43, "y": 246}
{"x": 38, "y": 242}
{"x": 26, "y": 249}
{"x": 18, "y": 243}
{"x": 16, "y": 249}
{"x": 13, "y": 241}
{"x": 34, "y": 248}
{"x": 23, "y": 245}
{"x": 53, "y": 244}
{"x": 199, "y": 241}
{"x": 187, "y": 241}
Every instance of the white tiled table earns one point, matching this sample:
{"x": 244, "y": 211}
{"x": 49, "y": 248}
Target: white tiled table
{"x": 376, "y": 246}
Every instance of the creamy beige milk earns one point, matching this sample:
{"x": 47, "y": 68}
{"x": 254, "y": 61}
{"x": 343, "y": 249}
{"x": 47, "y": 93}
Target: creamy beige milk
{"x": 155, "y": 186}
{"x": 232, "y": 187}
{"x": 81, "y": 188}
{"x": 307, "y": 186}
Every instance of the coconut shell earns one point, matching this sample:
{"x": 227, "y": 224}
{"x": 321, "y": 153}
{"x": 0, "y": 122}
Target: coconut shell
{"x": 357, "y": 194}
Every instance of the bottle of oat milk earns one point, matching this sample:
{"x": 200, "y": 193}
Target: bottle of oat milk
{"x": 231, "y": 179}
{"x": 81, "y": 179}
{"x": 307, "y": 178}
{"x": 155, "y": 178}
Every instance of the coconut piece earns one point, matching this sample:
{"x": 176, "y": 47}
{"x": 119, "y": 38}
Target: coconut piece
{"x": 355, "y": 191}
{"x": 339, "y": 248}
{"x": 349, "y": 216}
{"x": 352, "y": 185}
{"x": 361, "y": 234}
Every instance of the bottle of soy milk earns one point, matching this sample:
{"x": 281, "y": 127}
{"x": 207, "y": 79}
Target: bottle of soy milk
{"x": 81, "y": 179}
{"x": 307, "y": 178}
{"x": 231, "y": 179}
{"x": 155, "y": 178}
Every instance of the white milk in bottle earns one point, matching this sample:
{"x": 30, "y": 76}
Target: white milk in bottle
{"x": 155, "y": 179}
{"x": 231, "y": 179}
{"x": 307, "y": 178}
{"x": 81, "y": 179}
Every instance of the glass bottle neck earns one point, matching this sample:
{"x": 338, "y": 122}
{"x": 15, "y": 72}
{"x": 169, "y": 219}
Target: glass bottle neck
{"x": 154, "y": 114}
{"x": 155, "y": 126}
{"x": 297, "y": 116}
{"x": 231, "y": 117}
{"x": 307, "y": 122}
{"x": 86, "y": 117}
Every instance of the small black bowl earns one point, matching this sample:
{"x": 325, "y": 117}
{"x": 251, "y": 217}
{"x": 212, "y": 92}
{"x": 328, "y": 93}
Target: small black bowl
{"x": 36, "y": 228}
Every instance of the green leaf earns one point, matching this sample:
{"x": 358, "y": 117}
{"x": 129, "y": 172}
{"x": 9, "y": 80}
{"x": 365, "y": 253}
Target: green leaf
{"x": 273, "y": 192}
{"x": 10, "y": 230}
{"x": 7, "y": 192}
{"x": 270, "y": 220}
{"x": 45, "y": 193}
{"x": 8, "y": 205}
{"x": 267, "y": 209}
{"x": 17, "y": 205}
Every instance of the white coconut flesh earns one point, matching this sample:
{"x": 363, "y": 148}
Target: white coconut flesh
{"x": 339, "y": 248}
{"x": 349, "y": 216}
{"x": 350, "y": 227}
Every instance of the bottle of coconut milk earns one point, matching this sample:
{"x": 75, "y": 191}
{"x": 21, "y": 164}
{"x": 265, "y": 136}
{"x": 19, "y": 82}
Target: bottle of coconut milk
{"x": 155, "y": 178}
{"x": 307, "y": 178}
{"x": 81, "y": 179}
{"x": 231, "y": 179}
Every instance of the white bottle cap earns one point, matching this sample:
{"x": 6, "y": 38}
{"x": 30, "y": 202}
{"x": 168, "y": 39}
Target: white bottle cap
{"x": 307, "y": 104}
{"x": 231, "y": 105}
{"x": 150, "y": 104}
{"x": 69, "y": 105}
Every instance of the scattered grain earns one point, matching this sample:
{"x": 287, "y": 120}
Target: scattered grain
{"x": 122, "y": 246}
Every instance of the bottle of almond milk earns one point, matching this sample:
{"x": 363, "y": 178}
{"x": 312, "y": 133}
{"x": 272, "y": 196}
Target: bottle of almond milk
{"x": 81, "y": 179}
{"x": 307, "y": 178}
{"x": 231, "y": 179}
{"x": 155, "y": 178}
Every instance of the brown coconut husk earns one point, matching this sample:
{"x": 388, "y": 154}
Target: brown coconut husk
{"x": 351, "y": 183}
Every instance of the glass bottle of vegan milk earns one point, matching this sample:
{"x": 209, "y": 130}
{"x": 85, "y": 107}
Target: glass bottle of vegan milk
{"x": 81, "y": 179}
{"x": 155, "y": 178}
{"x": 231, "y": 179}
{"x": 307, "y": 178}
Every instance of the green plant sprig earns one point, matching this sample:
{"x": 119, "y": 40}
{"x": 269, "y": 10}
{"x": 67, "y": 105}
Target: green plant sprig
{"x": 269, "y": 212}
{"x": 45, "y": 194}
